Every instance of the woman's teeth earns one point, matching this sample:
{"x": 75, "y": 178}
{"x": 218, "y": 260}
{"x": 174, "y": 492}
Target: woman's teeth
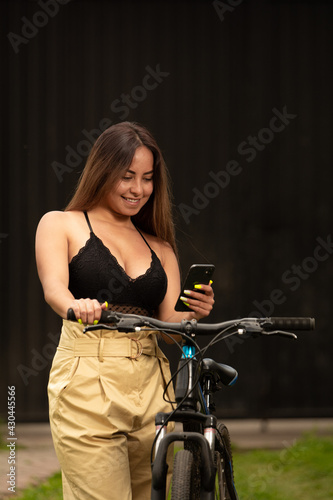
{"x": 131, "y": 200}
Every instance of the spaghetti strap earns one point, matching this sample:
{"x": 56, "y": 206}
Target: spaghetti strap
{"x": 144, "y": 239}
{"x": 88, "y": 221}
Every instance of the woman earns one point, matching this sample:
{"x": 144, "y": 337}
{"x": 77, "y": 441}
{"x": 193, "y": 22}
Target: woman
{"x": 113, "y": 247}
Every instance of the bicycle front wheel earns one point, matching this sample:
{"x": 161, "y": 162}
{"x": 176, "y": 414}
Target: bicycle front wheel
{"x": 224, "y": 484}
{"x": 182, "y": 477}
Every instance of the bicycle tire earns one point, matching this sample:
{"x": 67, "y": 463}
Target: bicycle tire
{"x": 182, "y": 477}
{"x": 195, "y": 449}
{"x": 224, "y": 484}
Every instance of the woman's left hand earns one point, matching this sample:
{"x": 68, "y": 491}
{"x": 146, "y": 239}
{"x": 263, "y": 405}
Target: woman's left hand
{"x": 200, "y": 303}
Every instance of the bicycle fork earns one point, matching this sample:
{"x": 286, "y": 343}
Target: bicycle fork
{"x": 205, "y": 443}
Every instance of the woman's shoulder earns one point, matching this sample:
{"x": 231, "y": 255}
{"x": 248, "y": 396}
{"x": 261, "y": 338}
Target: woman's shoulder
{"x": 54, "y": 217}
{"x": 161, "y": 247}
{"x": 61, "y": 215}
{"x": 58, "y": 219}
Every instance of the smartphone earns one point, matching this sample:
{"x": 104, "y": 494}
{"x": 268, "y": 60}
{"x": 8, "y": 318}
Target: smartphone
{"x": 198, "y": 274}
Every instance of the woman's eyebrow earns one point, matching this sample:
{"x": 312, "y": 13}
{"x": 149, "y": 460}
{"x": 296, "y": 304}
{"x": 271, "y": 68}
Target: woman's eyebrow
{"x": 145, "y": 173}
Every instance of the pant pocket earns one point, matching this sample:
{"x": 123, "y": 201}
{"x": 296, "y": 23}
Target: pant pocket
{"x": 71, "y": 375}
{"x": 62, "y": 373}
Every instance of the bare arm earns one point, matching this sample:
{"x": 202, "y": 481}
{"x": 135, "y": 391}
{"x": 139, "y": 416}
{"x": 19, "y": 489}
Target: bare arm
{"x": 52, "y": 266}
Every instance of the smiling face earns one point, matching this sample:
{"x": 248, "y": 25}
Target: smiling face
{"x": 135, "y": 186}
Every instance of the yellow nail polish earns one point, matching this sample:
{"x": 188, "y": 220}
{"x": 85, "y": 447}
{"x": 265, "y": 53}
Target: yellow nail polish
{"x": 197, "y": 286}
{"x": 107, "y": 304}
{"x": 80, "y": 321}
{"x": 211, "y": 282}
{"x": 95, "y": 321}
{"x": 184, "y": 299}
{"x": 188, "y": 292}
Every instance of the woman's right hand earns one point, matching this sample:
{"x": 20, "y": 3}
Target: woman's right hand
{"x": 88, "y": 311}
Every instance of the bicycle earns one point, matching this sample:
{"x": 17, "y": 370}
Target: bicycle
{"x": 203, "y": 470}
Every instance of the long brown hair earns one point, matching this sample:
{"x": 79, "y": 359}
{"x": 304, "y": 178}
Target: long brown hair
{"x": 109, "y": 158}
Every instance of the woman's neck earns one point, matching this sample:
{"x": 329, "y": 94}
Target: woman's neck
{"x": 106, "y": 215}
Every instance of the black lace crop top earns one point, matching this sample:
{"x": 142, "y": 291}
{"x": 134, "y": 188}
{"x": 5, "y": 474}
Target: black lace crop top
{"x": 96, "y": 274}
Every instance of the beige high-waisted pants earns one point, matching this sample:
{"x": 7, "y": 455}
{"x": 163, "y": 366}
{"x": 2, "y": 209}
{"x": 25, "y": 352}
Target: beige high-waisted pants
{"x": 104, "y": 392}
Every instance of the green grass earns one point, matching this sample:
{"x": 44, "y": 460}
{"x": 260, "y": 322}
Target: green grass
{"x": 300, "y": 472}
{"x": 49, "y": 490}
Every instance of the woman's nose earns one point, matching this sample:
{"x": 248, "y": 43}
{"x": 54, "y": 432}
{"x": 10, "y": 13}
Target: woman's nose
{"x": 136, "y": 187}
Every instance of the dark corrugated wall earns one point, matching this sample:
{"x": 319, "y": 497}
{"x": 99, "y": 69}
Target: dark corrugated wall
{"x": 214, "y": 87}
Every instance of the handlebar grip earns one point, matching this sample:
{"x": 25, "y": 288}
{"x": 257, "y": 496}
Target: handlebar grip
{"x": 106, "y": 316}
{"x": 292, "y": 323}
{"x": 71, "y": 315}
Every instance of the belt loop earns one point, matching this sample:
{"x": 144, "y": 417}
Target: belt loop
{"x": 139, "y": 349}
{"x": 101, "y": 347}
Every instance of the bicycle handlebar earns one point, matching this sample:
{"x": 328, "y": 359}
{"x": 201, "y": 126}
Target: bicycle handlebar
{"x": 131, "y": 322}
{"x": 293, "y": 323}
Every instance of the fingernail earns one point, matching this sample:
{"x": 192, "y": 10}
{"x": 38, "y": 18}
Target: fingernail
{"x": 183, "y": 299}
{"x": 107, "y": 304}
{"x": 188, "y": 292}
{"x": 80, "y": 321}
{"x": 95, "y": 321}
{"x": 197, "y": 286}
{"x": 211, "y": 282}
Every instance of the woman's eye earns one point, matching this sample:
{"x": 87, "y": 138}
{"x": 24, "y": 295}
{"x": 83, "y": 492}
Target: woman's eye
{"x": 128, "y": 178}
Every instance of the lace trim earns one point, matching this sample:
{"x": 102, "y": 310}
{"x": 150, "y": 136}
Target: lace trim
{"x": 98, "y": 240}
{"x": 121, "y": 267}
{"x": 82, "y": 249}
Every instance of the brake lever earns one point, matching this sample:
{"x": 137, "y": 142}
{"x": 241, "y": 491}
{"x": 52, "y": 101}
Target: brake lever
{"x": 281, "y": 333}
{"x": 99, "y": 326}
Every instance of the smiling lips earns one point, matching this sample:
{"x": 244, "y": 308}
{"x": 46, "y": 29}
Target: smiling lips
{"x": 132, "y": 201}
